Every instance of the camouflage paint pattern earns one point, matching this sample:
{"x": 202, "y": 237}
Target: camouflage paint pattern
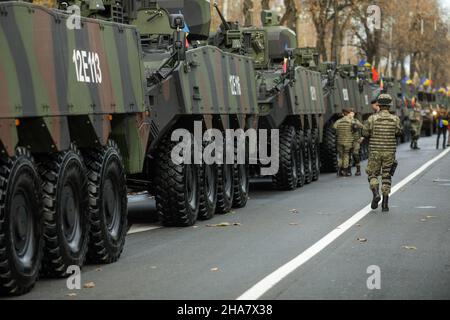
{"x": 66, "y": 85}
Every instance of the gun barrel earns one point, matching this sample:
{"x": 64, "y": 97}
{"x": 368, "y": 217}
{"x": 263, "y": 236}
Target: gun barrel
{"x": 224, "y": 21}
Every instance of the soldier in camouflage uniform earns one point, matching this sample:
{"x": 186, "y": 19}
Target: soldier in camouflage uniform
{"x": 382, "y": 129}
{"x": 416, "y": 119}
{"x": 357, "y": 140}
{"x": 344, "y": 134}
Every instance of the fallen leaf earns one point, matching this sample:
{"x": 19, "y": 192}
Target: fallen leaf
{"x": 431, "y": 217}
{"x": 362, "y": 239}
{"x": 214, "y": 269}
{"x": 99, "y": 269}
{"x": 89, "y": 285}
{"x": 409, "y": 247}
{"x": 222, "y": 224}
{"x": 238, "y": 224}
{"x": 423, "y": 220}
{"x": 232, "y": 212}
{"x": 71, "y": 294}
{"x": 293, "y": 211}
{"x": 293, "y": 224}
{"x": 195, "y": 227}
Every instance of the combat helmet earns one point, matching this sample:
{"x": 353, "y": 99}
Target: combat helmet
{"x": 385, "y": 100}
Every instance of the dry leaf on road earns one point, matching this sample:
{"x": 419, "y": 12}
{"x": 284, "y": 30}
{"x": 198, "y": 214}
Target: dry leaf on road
{"x": 214, "y": 269}
{"x": 409, "y": 247}
{"x": 362, "y": 239}
{"x": 222, "y": 224}
{"x": 89, "y": 285}
{"x": 71, "y": 294}
{"x": 293, "y": 211}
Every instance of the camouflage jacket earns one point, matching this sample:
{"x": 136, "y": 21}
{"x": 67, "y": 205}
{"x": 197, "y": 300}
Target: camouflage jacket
{"x": 383, "y": 129}
{"x": 415, "y": 117}
{"x": 344, "y": 133}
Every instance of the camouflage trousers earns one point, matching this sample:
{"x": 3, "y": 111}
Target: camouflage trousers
{"x": 380, "y": 163}
{"x": 416, "y": 130}
{"x": 356, "y": 151}
{"x": 344, "y": 155}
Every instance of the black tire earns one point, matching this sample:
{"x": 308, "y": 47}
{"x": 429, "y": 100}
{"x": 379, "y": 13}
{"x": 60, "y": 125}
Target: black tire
{"x": 21, "y": 226}
{"x": 107, "y": 202}
{"x": 208, "y": 195}
{"x": 225, "y": 188}
{"x": 300, "y": 155}
{"x": 66, "y": 212}
{"x": 287, "y": 176}
{"x": 308, "y": 159}
{"x": 329, "y": 159}
{"x": 315, "y": 155}
{"x": 241, "y": 185}
{"x": 241, "y": 178}
{"x": 177, "y": 188}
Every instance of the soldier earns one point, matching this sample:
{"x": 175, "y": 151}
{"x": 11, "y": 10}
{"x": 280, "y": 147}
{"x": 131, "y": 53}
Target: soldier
{"x": 382, "y": 129}
{"x": 344, "y": 134}
{"x": 357, "y": 140}
{"x": 416, "y": 119}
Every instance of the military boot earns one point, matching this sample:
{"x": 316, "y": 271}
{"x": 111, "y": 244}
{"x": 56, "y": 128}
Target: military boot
{"x": 358, "y": 171}
{"x": 412, "y": 144}
{"x": 348, "y": 172}
{"x": 385, "y": 204}
{"x": 416, "y": 147}
{"x": 376, "y": 199}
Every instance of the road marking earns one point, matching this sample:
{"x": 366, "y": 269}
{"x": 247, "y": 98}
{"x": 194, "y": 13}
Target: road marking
{"x": 138, "y": 228}
{"x": 263, "y": 286}
{"x": 425, "y": 207}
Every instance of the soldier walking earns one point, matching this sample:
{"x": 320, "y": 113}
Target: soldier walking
{"x": 344, "y": 134}
{"x": 416, "y": 119}
{"x": 357, "y": 127}
{"x": 382, "y": 129}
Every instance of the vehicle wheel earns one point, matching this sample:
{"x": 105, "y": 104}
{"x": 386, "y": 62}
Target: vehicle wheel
{"x": 241, "y": 178}
{"x": 287, "y": 176}
{"x": 308, "y": 159}
{"x": 107, "y": 202}
{"x": 301, "y": 162}
{"x": 177, "y": 188}
{"x": 208, "y": 195}
{"x": 21, "y": 241}
{"x": 66, "y": 212}
{"x": 315, "y": 155}
{"x": 241, "y": 185}
{"x": 225, "y": 190}
{"x": 329, "y": 151}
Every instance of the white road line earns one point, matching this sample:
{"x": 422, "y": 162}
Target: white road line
{"x": 142, "y": 228}
{"x": 263, "y": 286}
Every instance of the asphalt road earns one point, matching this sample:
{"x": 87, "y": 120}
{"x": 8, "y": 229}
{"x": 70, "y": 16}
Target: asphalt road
{"x": 410, "y": 246}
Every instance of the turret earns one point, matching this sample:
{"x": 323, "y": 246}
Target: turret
{"x": 280, "y": 38}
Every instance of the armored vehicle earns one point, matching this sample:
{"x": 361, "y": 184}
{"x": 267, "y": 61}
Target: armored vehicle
{"x": 72, "y": 124}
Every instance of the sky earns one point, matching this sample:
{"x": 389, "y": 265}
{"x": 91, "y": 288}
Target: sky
{"x": 446, "y": 4}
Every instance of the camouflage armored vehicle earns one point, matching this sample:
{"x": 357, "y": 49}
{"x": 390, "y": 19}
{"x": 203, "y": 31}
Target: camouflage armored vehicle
{"x": 202, "y": 85}
{"x": 345, "y": 87}
{"x": 72, "y": 124}
{"x": 289, "y": 95}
